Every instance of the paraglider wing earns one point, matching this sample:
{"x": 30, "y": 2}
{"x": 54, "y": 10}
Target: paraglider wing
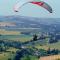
{"x": 40, "y": 3}
{"x": 44, "y": 5}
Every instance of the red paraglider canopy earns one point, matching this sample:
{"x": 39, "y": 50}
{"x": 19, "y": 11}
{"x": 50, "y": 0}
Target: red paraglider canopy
{"x": 39, "y": 3}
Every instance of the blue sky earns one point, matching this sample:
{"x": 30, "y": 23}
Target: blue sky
{"x": 6, "y": 8}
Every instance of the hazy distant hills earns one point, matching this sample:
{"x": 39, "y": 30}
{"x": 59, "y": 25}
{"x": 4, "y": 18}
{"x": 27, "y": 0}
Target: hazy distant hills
{"x": 19, "y": 19}
{"x": 30, "y": 22}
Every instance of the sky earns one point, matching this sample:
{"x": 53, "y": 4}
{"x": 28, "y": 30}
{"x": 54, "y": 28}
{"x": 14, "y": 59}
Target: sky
{"x": 6, "y": 9}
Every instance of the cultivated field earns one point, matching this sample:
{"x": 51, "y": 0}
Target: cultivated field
{"x": 4, "y": 32}
{"x": 53, "y": 57}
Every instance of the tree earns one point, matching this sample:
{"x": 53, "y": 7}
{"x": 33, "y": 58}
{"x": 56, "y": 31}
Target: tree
{"x": 35, "y": 37}
{"x": 54, "y": 51}
{"x": 49, "y": 51}
{"x": 9, "y": 58}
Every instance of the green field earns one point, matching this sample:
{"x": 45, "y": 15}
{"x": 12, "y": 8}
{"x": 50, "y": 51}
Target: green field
{"x": 21, "y": 38}
{"x": 8, "y": 54}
